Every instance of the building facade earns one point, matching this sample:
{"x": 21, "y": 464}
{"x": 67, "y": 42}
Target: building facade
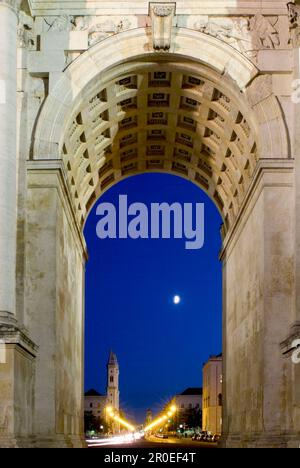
{"x": 92, "y": 92}
{"x": 189, "y": 407}
{"x": 191, "y": 398}
{"x": 212, "y": 395}
{"x": 95, "y": 403}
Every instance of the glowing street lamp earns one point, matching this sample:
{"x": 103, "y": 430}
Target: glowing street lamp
{"x": 115, "y": 417}
{"x": 109, "y": 410}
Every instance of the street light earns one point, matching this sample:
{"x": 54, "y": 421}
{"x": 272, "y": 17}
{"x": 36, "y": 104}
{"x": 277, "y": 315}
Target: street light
{"x": 115, "y": 417}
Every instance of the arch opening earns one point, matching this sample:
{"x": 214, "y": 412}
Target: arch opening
{"x": 161, "y": 344}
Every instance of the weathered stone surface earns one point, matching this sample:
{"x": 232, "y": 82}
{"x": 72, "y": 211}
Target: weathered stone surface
{"x": 55, "y": 309}
{"x": 17, "y": 379}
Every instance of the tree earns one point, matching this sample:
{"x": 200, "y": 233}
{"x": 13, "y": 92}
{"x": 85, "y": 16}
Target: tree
{"x": 193, "y": 417}
{"x": 90, "y": 421}
{"x": 93, "y": 423}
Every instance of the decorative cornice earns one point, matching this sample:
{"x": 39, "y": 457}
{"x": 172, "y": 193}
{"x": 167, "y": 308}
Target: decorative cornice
{"x": 139, "y": 7}
{"x": 287, "y": 346}
{"x": 12, "y": 335}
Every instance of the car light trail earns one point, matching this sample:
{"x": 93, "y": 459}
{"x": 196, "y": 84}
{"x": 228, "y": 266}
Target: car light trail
{"x": 124, "y": 423}
{"x": 116, "y": 440}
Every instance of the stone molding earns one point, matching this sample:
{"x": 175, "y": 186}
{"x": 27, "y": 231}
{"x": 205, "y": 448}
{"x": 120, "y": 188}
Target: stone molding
{"x": 287, "y": 345}
{"x": 7, "y": 318}
{"x": 264, "y": 167}
{"x": 11, "y": 335}
{"x": 140, "y": 7}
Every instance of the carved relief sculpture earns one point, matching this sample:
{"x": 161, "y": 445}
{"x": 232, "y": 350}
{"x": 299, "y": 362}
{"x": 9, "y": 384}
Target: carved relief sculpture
{"x": 59, "y": 23}
{"x": 99, "y": 30}
{"x": 248, "y": 34}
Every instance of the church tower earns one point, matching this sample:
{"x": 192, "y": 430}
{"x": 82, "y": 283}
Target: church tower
{"x": 113, "y": 393}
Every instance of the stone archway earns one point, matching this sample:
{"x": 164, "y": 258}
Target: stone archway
{"x": 216, "y": 122}
{"x": 214, "y": 128}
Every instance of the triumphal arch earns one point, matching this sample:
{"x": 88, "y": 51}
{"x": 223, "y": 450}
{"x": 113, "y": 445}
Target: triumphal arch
{"x": 94, "y": 91}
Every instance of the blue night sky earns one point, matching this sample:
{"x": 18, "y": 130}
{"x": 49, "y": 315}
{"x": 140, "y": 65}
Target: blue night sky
{"x": 130, "y": 285}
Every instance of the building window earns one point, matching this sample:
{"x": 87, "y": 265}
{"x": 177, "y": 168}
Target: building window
{"x": 220, "y": 399}
{"x": 111, "y": 379}
{"x": 91, "y": 405}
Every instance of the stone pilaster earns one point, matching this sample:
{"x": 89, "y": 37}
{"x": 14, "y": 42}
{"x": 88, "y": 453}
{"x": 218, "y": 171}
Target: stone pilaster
{"x": 8, "y": 158}
{"x": 17, "y": 351}
{"x": 55, "y": 317}
{"x": 259, "y": 285}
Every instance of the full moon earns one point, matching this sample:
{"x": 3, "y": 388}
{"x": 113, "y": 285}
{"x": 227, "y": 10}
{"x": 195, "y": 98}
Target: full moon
{"x": 176, "y": 299}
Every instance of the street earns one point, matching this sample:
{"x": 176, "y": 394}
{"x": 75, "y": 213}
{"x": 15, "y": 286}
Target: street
{"x": 163, "y": 444}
